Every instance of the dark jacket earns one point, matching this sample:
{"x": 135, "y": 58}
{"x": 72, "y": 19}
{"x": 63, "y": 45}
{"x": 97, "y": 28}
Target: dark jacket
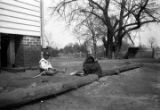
{"x": 90, "y": 66}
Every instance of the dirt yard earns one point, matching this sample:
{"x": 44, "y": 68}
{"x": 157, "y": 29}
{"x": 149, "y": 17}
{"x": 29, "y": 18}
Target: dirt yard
{"x": 137, "y": 89}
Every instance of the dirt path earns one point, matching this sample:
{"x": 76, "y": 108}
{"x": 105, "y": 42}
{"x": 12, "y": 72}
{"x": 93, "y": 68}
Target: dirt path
{"x": 133, "y": 90}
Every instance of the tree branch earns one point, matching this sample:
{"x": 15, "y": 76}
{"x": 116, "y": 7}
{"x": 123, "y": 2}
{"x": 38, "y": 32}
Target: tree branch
{"x": 95, "y": 3}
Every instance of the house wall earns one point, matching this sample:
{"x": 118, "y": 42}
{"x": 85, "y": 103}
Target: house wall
{"x": 28, "y": 51}
{"x": 148, "y": 53}
{"x": 0, "y": 52}
{"x": 20, "y": 17}
{"x": 145, "y": 53}
{"x": 32, "y": 51}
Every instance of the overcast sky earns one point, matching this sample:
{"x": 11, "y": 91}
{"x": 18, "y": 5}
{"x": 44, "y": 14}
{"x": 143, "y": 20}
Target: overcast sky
{"x": 59, "y": 35}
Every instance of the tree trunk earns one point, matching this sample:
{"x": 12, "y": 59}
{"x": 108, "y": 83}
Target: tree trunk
{"x": 21, "y": 96}
{"x": 108, "y": 46}
{"x": 118, "y": 47}
{"x": 105, "y": 45}
{"x": 118, "y": 70}
{"x": 109, "y": 49}
{"x": 153, "y": 52}
{"x": 94, "y": 46}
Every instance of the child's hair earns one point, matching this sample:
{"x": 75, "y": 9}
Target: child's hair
{"x": 89, "y": 59}
{"x": 45, "y": 53}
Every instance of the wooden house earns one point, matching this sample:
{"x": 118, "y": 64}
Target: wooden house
{"x": 20, "y": 31}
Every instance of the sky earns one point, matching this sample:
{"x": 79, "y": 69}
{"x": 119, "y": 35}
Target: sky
{"x": 152, "y": 30}
{"x": 59, "y": 35}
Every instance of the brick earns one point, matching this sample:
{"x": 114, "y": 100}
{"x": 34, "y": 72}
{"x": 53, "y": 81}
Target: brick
{"x": 28, "y": 52}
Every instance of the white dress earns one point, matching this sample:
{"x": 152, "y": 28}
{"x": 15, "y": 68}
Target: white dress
{"x": 45, "y": 64}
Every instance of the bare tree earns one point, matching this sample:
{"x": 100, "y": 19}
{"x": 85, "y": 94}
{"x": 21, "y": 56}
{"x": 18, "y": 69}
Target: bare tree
{"x": 152, "y": 42}
{"x": 88, "y": 30}
{"x": 120, "y": 17}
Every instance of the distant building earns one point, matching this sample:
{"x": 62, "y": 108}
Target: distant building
{"x": 20, "y": 30}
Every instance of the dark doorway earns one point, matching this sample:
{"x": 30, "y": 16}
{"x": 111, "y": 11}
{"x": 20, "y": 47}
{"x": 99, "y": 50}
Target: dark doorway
{"x": 4, "y": 47}
{"x": 7, "y": 50}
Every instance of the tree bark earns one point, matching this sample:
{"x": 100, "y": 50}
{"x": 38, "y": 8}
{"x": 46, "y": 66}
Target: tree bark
{"x": 121, "y": 69}
{"x": 153, "y": 52}
{"x": 108, "y": 44}
{"x": 109, "y": 48}
{"x": 94, "y": 46}
{"x": 21, "y": 96}
{"x": 118, "y": 47}
{"x": 105, "y": 45}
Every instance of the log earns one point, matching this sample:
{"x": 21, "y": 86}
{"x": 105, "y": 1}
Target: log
{"x": 120, "y": 69}
{"x": 21, "y": 96}
{"x": 129, "y": 67}
{"x": 110, "y": 72}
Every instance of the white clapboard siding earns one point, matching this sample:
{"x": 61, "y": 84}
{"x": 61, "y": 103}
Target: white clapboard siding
{"x": 19, "y": 10}
{"x": 19, "y": 21}
{"x": 17, "y": 31}
{"x": 30, "y": 2}
{"x": 22, "y": 5}
{"x": 19, "y": 26}
{"x": 20, "y": 17}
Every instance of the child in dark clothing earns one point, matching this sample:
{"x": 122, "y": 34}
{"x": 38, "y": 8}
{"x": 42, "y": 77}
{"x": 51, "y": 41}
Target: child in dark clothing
{"x": 90, "y": 66}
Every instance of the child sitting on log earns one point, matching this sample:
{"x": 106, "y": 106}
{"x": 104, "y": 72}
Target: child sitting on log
{"x": 90, "y": 66}
{"x": 45, "y": 66}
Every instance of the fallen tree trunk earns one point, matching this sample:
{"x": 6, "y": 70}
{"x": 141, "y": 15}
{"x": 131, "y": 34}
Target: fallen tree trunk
{"x": 129, "y": 67}
{"x": 25, "y": 95}
{"x": 120, "y": 69}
